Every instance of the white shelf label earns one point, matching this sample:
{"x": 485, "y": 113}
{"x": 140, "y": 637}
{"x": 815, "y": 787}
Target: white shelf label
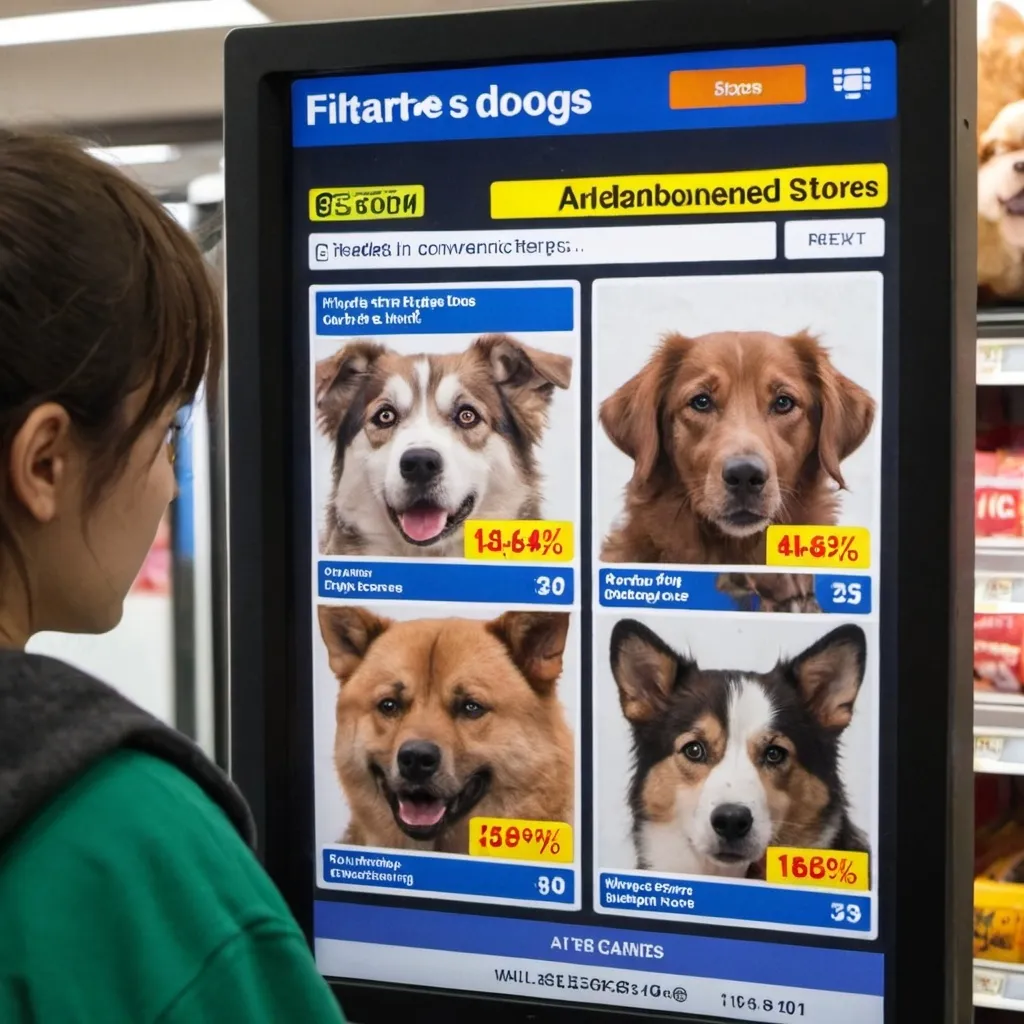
{"x": 990, "y": 361}
{"x": 988, "y": 983}
{"x": 988, "y": 748}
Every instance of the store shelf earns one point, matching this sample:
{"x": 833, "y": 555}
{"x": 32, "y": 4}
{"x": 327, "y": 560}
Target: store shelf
{"x": 998, "y": 986}
{"x": 1000, "y": 358}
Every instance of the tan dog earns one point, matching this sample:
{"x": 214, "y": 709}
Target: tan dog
{"x": 730, "y": 433}
{"x": 1000, "y": 64}
{"x": 441, "y": 719}
{"x": 1001, "y": 205}
{"x": 770, "y": 592}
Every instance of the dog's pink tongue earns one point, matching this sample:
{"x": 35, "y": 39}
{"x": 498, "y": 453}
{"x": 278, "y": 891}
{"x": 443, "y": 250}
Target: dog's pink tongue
{"x": 420, "y": 813}
{"x": 422, "y": 524}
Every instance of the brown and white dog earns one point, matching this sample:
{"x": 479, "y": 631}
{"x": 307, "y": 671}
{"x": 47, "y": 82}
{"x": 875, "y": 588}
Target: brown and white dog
{"x": 438, "y": 719}
{"x": 770, "y": 591}
{"x": 422, "y": 443}
{"x": 1001, "y": 205}
{"x": 730, "y": 433}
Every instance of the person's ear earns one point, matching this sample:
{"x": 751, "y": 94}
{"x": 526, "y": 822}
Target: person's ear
{"x": 38, "y": 465}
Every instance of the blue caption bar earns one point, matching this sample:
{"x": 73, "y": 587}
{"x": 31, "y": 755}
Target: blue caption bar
{"x": 729, "y": 901}
{"x": 714, "y": 592}
{"x": 420, "y": 873}
{"x": 844, "y": 82}
{"x": 700, "y": 956}
{"x": 446, "y": 581}
{"x": 444, "y": 311}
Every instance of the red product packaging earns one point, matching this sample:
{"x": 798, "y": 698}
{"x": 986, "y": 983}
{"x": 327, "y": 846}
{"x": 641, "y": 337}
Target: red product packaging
{"x": 997, "y": 511}
{"x": 998, "y": 645}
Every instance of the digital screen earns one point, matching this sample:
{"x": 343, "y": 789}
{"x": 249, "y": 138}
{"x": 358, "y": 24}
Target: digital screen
{"x": 591, "y": 357}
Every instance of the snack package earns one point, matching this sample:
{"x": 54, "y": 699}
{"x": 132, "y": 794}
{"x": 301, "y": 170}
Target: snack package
{"x": 999, "y": 916}
{"x": 998, "y": 645}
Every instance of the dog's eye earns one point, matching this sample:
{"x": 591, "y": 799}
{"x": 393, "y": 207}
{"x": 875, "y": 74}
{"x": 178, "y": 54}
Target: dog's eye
{"x": 694, "y": 751}
{"x": 783, "y": 404}
{"x": 389, "y": 707}
{"x": 470, "y": 709}
{"x": 385, "y": 416}
{"x": 701, "y": 402}
{"x": 467, "y": 416}
{"x": 775, "y": 755}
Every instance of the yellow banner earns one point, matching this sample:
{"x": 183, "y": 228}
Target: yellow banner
{"x": 836, "y": 187}
{"x": 518, "y": 540}
{"x": 372, "y": 202}
{"x": 819, "y": 547}
{"x": 823, "y": 869}
{"x": 513, "y": 839}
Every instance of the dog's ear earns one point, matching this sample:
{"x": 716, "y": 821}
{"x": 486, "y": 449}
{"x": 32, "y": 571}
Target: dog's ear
{"x": 1004, "y": 19}
{"x": 646, "y": 670}
{"x": 339, "y": 379}
{"x": 536, "y": 644}
{"x": 526, "y": 376}
{"x": 847, "y": 410}
{"x": 829, "y": 675}
{"x": 348, "y": 633}
{"x": 631, "y": 415}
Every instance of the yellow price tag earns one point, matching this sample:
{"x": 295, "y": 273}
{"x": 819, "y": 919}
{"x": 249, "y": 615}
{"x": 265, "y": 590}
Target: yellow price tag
{"x": 819, "y": 547}
{"x": 518, "y": 540}
{"x": 370, "y": 202}
{"x": 823, "y": 869}
{"x": 517, "y": 839}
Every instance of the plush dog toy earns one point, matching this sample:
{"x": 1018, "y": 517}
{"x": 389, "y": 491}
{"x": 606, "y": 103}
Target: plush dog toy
{"x": 1001, "y": 206}
{"x": 1000, "y": 154}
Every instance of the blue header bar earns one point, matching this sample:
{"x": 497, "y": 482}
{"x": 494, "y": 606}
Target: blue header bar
{"x": 762, "y": 963}
{"x": 809, "y": 84}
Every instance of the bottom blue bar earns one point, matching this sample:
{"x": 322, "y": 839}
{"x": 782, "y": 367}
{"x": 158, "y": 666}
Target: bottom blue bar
{"x": 566, "y": 941}
{"x": 732, "y": 901}
{"x": 453, "y": 876}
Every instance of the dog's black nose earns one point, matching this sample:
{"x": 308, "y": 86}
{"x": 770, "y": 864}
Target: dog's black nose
{"x": 420, "y": 465}
{"x": 418, "y": 760}
{"x": 732, "y": 821}
{"x": 1019, "y": 167}
{"x": 745, "y": 475}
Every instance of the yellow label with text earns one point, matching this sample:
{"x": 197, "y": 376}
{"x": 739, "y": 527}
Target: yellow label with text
{"x": 370, "y": 202}
{"x": 819, "y": 547}
{"x": 518, "y": 540}
{"x": 519, "y": 839}
{"x": 824, "y": 869}
{"x": 835, "y": 187}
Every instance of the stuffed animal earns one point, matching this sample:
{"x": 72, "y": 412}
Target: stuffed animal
{"x": 1001, "y": 156}
{"x": 1001, "y": 205}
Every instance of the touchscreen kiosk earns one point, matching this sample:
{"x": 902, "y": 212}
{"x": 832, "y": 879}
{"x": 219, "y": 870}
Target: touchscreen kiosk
{"x": 596, "y": 436}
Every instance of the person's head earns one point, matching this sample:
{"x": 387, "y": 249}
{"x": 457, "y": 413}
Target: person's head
{"x": 109, "y": 319}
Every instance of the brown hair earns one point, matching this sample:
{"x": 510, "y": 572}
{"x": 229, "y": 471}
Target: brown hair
{"x": 102, "y": 293}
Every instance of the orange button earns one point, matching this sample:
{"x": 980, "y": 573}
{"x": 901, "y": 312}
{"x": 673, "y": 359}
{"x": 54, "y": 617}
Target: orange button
{"x": 738, "y": 87}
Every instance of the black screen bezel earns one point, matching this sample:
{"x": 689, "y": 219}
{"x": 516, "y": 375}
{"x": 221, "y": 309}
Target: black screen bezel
{"x": 928, "y": 535}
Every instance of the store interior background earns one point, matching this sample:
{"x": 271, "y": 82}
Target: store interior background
{"x": 143, "y": 82}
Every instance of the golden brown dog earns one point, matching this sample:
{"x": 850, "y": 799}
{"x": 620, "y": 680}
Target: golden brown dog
{"x": 770, "y": 592}
{"x": 441, "y": 719}
{"x": 1000, "y": 64}
{"x": 729, "y": 433}
{"x": 1001, "y": 205}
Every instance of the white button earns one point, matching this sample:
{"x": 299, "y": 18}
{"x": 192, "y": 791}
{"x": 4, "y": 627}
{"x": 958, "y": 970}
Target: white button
{"x": 835, "y": 239}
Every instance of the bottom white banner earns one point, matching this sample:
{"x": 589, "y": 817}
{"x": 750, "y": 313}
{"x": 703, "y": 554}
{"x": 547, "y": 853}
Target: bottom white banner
{"x": 550, "y": 981}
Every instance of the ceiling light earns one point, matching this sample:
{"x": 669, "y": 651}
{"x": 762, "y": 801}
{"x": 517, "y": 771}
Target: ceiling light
{"x": 136, "y": 156}
{"x": 138, "y": 20}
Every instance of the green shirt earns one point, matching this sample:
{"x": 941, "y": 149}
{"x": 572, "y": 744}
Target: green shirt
{"x": 131, "y": 898}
